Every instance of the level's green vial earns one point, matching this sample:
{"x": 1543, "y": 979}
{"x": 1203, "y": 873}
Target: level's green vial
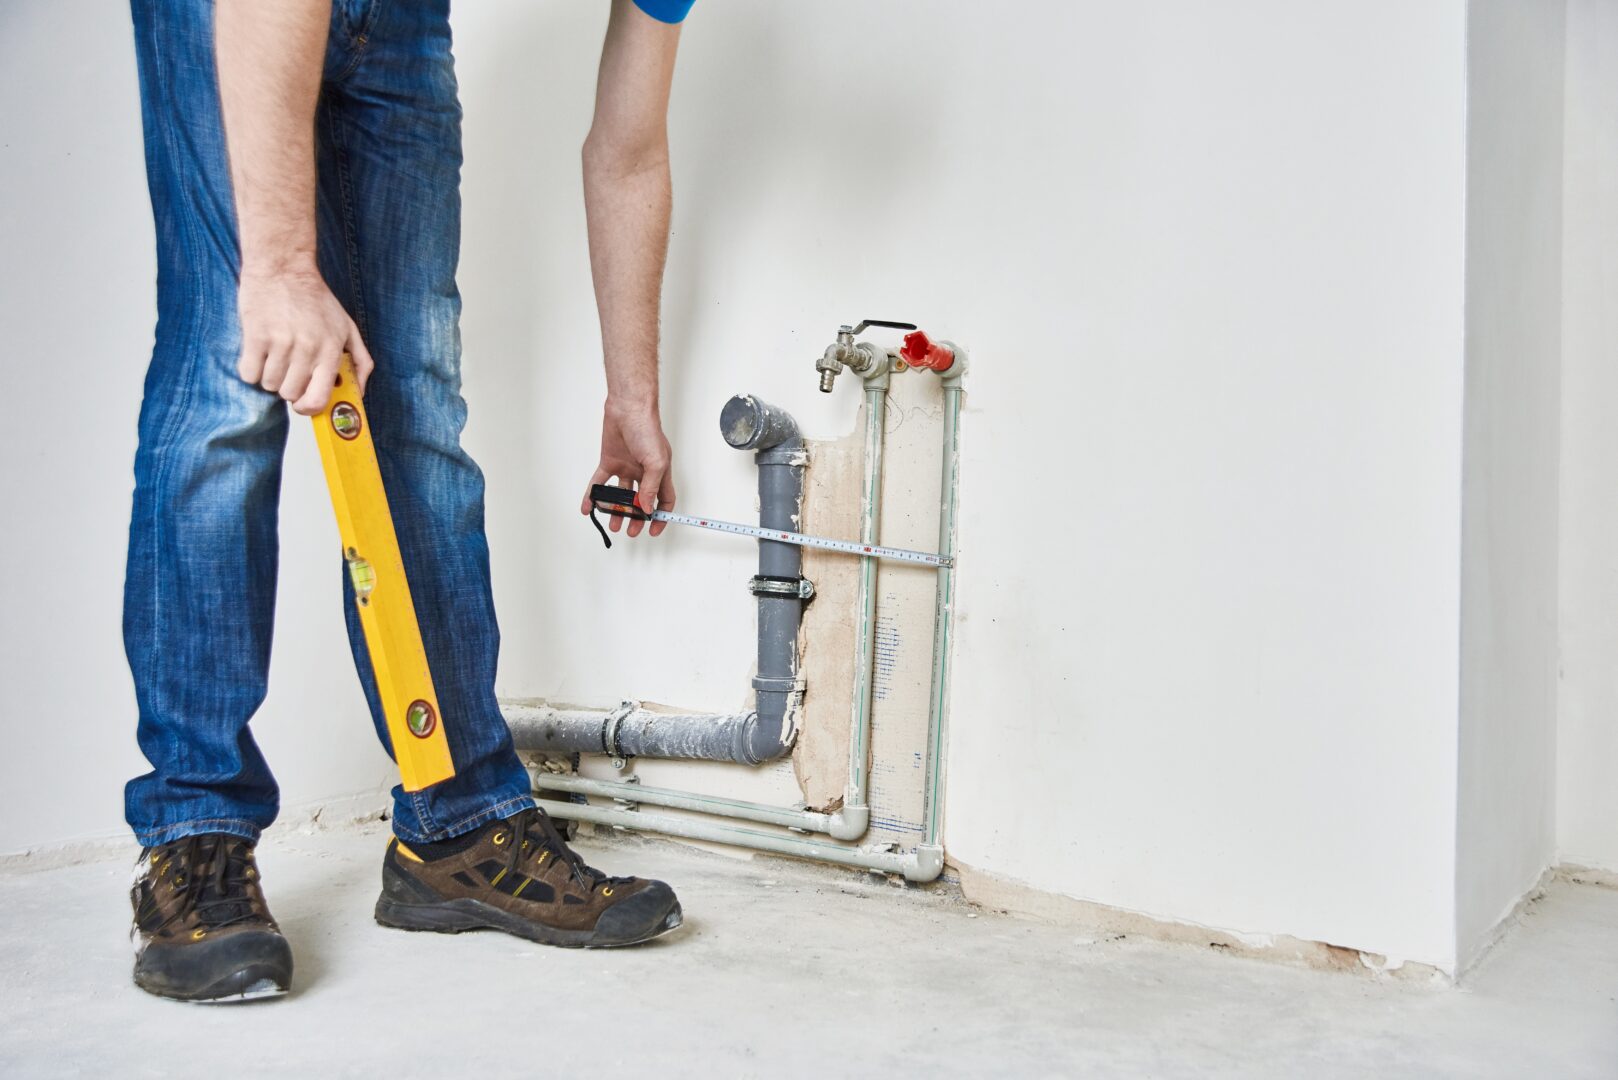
{"x": 421, "y": 719}
{"x": 363, "y": 575}
{"x": 345, "y": 420}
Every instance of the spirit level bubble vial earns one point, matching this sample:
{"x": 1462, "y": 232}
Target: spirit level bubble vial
{"x": 381, "y": 592}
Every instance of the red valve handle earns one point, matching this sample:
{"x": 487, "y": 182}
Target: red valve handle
{"x": 920, "y": 351}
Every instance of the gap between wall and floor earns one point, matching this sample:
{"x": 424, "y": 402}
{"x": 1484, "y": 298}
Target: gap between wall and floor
{"x": 972, "y": 886}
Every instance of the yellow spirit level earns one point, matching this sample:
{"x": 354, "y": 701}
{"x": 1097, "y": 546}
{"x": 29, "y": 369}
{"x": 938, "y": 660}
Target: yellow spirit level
{"x": 376, "y": 569}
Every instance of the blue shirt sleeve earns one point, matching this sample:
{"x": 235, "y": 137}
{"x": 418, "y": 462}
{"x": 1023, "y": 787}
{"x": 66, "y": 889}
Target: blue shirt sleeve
{"x": 669, "y": 11}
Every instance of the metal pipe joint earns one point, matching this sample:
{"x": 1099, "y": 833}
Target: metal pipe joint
{"x": 862, "y": 358}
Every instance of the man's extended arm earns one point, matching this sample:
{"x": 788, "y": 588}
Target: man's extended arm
{"x": 627, "y": 195}
{"x": 294, "y": 330}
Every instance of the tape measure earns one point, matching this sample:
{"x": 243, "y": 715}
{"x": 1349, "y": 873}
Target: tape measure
{"x": 620, "y": 502}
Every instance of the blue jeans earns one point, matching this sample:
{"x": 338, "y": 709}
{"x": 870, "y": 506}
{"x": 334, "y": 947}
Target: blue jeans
{"x": 199, "y": 593}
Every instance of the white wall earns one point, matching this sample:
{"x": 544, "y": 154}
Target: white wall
{"x": 1512, "y": 455}
{"x": 1208, "y": 259}
{"x": 76, "y": 304}
{"x": 1227, "y": 658}
{"x": 1210, "y": 262}
{"x": 1587, "y": 746}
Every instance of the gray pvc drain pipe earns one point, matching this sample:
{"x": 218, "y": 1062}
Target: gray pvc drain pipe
{"x": 751, "y": 738}
{"x": 750, "y": 424}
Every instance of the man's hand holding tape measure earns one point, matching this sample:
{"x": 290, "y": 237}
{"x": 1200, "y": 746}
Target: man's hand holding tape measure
{"x": 636, "y": 452}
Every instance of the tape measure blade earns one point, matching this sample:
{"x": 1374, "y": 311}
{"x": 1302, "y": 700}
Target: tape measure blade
{"x": 849, "y": 547}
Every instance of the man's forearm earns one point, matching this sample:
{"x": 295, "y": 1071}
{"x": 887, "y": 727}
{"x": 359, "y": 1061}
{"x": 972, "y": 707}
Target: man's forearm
{"x": 627, "y": 195}
{"x": 628, "y": 204}
{"x": 627, "y": 198}
{"x": 270, "y": 57}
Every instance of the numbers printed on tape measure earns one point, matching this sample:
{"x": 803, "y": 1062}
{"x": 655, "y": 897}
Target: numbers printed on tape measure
{"x": 850, "y": 547}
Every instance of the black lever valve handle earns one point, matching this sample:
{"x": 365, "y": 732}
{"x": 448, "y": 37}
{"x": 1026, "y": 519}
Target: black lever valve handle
{"x": 882, "y": 322}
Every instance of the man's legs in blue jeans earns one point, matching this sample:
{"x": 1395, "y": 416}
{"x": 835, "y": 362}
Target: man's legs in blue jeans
{"x": 389, "y": 160}
{"x": 200, "y": 588}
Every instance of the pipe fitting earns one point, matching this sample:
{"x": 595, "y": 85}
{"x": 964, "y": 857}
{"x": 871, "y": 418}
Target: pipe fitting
{"x": 878, "y": 376}
{"x": 830, "y": 364}
{"x": 863, "y": 359}
{"x": 770, "y": 730}
{"x": 926, "y": 863}
{"x": 848, "y": 823}
{"x": 951, "y": 377}
{"x": 748, "y": 423}
{"x": 791, "y": 452}
{"x": 871, "y": 361}
{"x": 922, "y": 352}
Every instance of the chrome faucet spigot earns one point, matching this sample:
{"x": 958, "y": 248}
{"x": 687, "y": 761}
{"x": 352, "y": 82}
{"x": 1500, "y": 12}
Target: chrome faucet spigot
{"x": 844, "y": 353}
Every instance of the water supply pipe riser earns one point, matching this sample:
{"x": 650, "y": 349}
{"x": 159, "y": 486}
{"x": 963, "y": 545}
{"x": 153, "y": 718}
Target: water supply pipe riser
{"x": 855, "y": 795}
{"x": 949, "y": 488}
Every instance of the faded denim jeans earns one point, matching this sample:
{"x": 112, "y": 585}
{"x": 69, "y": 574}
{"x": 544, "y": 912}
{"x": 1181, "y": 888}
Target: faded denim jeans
{"x": 199, "y": 593}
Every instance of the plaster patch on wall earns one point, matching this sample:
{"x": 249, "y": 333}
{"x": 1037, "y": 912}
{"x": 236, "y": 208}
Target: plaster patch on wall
{"x": 906, "y": 595}
{"x": 831, "y": 507}
{"x": 904, "y": 619}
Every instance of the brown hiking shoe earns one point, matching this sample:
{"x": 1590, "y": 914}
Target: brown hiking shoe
{"x": 202, "y": 929}
{"x": 518, "y": 875}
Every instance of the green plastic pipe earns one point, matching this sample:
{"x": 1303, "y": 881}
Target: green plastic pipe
{"x": 949, "y": 487}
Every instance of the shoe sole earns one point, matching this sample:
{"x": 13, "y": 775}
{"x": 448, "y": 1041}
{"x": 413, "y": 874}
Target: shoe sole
{"x": 463, "y": 914}
{"x": 252, "y": 983}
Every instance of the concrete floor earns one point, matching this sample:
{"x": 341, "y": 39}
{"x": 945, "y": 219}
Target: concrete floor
{"x": 782, "y": 970}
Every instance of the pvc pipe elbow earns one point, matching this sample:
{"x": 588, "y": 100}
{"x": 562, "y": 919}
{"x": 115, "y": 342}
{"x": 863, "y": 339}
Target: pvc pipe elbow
{"x": 951, "y": 376}
{"x": 750, "y": 423}
{"x": 760, "y": 739}
{"x": 925, "y": 864}
{"x": 849, "y": 823}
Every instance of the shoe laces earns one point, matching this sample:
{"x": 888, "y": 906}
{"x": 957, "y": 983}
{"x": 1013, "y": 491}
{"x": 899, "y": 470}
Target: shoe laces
{"x": 535, "y": 826}
{"x": 217, "y": 875}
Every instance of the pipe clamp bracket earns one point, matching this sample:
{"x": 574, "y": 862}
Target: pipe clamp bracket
{"x": 793, "y": 588}
{"x": 609, "y": 728}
